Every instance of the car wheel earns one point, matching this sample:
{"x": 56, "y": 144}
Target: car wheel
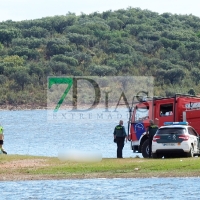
{"x": 145, "y": 149}
{"x": 191, "y": 152}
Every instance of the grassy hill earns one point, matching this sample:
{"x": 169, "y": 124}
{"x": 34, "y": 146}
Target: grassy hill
{"x": 131, "y": 42}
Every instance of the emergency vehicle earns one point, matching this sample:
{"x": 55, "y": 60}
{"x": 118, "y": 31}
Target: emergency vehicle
{"x": 175, "y": 139}
{"x": 161, "y": 109}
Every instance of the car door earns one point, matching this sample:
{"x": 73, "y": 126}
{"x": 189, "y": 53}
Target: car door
{"x": 195, "y": 136}
{"x": 198, "y": 138}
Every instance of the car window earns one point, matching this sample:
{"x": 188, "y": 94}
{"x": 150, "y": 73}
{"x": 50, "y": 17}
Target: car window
{"x": 171, "y": 130}
{"x": 192, "y": 132}
{"x": 195, "y": 132}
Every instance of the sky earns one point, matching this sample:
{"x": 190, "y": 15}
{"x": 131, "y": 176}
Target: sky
{"x": 18, "y": 10}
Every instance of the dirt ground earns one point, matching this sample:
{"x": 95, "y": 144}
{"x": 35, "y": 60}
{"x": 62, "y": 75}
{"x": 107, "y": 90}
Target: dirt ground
{"x": 13, "y": 165}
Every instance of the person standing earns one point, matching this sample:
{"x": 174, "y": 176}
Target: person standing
{"x": 120, "y": 135}
{"x": 151, "y": 131}
{"x": 1, "y": 140}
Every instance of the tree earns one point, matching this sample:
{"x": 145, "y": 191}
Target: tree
{"x": 3, "y": 79}
{"x": 2, "y": 65}
{"x": 101, "y": 70}
{"x": 106, "y": 14}
{"x": 61, "y": 22}
{"x": 115, "y": 24}
{"x": 36, "y": 70}
{"x": 191, "y": 92}
{"x": 10, "y": 70}
{"x": 21, "y": 77}
{"x": 195, "y": 73}
{"x": 165, "y": 65}
{"x": 136, "y": 29}
{"x": 82, "y": 58}
{"x": 31, "y": 42}
{"x": 1, "y": 47}
{"x": 15, "y": 60}
{"x": 30, "y": 54}
{"x": 78, "y": 39}
{"x": 7, "y": 35}
{"x": 55, "y": 47}
{"x": 60, "y": 68}
{"x": 175, "y": 75}
{"x": 36, "y": 32}
{"x": 47, "y": 71}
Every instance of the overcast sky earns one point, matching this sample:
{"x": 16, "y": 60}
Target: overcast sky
{"x": 18, "y": 10}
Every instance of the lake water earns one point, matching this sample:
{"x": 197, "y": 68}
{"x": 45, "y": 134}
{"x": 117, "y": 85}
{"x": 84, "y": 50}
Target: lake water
{"x": 116, "y": 189}
{"x": 31, "y": 133}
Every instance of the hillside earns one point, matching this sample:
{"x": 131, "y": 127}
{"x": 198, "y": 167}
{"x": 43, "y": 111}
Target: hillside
{"x": 127, "y": 42}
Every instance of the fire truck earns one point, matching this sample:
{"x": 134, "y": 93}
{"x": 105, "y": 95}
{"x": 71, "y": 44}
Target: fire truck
{"x": 160, "y": 109}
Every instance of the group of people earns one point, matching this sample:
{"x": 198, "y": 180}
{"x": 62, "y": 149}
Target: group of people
{"x": 120, "y": 136}
{"x": 1, "y": 140}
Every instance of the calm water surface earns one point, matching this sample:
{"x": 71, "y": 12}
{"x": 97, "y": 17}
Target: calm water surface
{"x": 139, "y": 189}
{"x": 30, "y": 133}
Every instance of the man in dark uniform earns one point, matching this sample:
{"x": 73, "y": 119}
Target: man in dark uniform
{"x": 151, "y": 130}
{"x": 120, "y": 135}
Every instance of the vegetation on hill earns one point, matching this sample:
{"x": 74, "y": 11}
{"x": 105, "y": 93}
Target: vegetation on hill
{"x": 126, "y": 42}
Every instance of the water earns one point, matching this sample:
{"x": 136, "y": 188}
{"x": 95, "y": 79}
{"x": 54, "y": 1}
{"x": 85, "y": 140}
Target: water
{"x": 30, "y": 133}
{"x": 118, "y": 189}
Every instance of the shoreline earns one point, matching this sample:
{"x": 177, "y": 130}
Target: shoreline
{"x": 26, "y": 168}
{"x": 22, "y": 107}
{"x": 19, "y": 177}
{"x": 9, "y": 107}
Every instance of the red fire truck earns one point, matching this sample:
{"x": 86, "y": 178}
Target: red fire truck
{"x": 169, "y": 109}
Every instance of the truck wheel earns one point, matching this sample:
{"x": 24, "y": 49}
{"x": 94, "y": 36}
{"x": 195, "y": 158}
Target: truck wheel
{"x": 145, "y": 149}
{"x": 191, "y": 152}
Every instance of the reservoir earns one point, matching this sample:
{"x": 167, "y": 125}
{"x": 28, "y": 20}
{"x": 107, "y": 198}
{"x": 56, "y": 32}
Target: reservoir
{"x": 31, "y": 133}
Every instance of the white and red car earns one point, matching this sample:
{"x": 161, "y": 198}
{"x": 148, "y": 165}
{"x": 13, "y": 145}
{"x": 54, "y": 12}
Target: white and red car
{"x": 175, "y": 139}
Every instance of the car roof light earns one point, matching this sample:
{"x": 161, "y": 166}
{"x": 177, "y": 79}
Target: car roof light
{"x": 175, "y": 123}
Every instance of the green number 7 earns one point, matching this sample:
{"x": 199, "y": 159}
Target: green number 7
{"x": 59, "y": 80}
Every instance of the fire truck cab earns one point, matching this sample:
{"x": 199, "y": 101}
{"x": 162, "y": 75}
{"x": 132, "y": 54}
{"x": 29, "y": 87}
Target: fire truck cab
{"x": 161, "y": 109}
